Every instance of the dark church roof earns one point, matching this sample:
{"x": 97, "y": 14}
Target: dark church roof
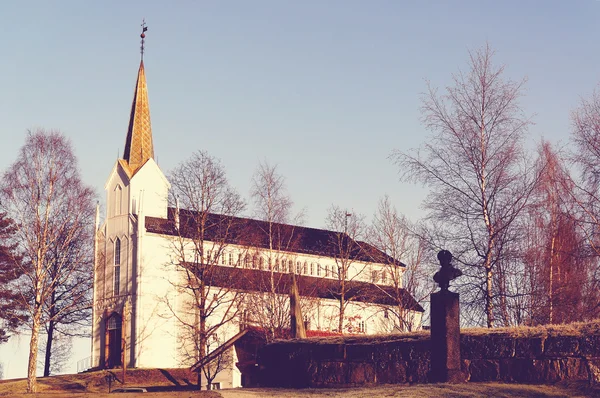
{"x": 254, "y": 233}
{"x": 289, "y": 238}
{"x": 246, "y": 279}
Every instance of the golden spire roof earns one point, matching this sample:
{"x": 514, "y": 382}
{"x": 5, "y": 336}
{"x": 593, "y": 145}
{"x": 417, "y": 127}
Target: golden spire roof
{"x": 138, "y": 145}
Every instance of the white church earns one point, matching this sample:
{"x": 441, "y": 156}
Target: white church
{"x": 141, "y": 313}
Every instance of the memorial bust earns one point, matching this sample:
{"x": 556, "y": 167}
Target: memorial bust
{"x": 447, "y": 272}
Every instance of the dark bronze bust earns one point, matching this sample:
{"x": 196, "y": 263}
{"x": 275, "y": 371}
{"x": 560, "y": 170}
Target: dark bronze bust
{"x": 447, "y": 272}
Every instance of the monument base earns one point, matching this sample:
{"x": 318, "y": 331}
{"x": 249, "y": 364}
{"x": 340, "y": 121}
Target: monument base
{"x": 445, "y": 338}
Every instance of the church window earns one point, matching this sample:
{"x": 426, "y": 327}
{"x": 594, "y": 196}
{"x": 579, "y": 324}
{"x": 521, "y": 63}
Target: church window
{"x": 118, "y": 251}
{"x": 230, "y": 258}
{"x": 117, "y": 282}
{"x": 118, "y": 200}
{"x": 362, "y": 327}
{"x": 298, "y": 267}
{"x": 318, "y": 269}
{"x": 374, "y": 275}
{"x": 305, "y": 268}
{"x": 114, "y": 322}
{"x": 327, "y": 271}
{"x": 223, "y": 259}
{"x": 312, "y": 268}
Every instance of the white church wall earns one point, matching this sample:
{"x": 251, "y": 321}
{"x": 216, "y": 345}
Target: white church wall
{"x": 149, "y": 191}
{"x": 156, "y": 327}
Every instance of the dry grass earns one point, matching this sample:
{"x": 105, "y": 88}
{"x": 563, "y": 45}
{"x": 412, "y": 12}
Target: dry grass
{"x": 171, "y": 384}
{"x": 95, "y": 382}
{"x": 577, "y": 329}
{"x": 422, "y": 391}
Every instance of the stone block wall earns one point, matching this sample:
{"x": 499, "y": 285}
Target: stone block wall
{"x": 485, "y": 357}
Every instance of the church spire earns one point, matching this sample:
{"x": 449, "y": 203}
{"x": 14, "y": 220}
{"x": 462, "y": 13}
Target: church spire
{"x": 138, "y": 145}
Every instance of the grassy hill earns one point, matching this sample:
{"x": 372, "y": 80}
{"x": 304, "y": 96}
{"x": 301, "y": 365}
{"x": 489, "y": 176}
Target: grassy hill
{"x": 96, "y": 382}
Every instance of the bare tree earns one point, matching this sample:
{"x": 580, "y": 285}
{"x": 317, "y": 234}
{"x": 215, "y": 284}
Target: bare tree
{"x": 586, "y": 137}
{"x": 11, "y": 306}
{"x": 479, "y": 177}
{"x": 554, "y": 259}
{"x": 61, "y": 352}
{"x": 348, "y": 228}
{"x": 405, "y": 268}
{"x": 68, "y": 308}
{"x": 43, "y": 192}
{"x": 272, "y": 204}
{"x": 204, "y": 227}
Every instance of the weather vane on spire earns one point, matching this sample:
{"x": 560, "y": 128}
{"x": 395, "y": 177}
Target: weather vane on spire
{"x": 143, "y": 36}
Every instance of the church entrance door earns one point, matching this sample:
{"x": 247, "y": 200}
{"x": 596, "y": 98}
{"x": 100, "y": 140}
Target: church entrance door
{"x": 113, "y": 341}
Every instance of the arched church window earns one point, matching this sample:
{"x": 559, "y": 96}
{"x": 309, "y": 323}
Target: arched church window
{"x": 118, "y": 199}
{"x": 114, "y": 322}
{"x": 117, "y": 268}
{"x": 118, "y": 251}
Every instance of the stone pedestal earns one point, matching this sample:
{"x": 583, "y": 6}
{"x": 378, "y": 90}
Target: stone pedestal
{"x": 445, "y": 338}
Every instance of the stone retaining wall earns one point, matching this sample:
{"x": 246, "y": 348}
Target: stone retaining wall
{"x": 487, "y": 357}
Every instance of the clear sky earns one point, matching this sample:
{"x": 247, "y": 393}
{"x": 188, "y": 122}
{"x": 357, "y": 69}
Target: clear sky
{"x": 324, "y": 89}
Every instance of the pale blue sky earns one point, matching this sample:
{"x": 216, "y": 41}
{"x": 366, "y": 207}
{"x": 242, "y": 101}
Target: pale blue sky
{"x": 325, "y": 89}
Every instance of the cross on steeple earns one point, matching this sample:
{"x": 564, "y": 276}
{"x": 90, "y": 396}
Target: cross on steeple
{"x": 143, "y": 36}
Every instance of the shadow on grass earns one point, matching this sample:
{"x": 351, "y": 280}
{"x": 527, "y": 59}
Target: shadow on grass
{"x": 169, "y": 377}
{"x": 171, "y": 388}
{"x": 73, "y": 387}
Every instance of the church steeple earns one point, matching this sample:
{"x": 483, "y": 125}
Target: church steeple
{"x": 138, "y": 145}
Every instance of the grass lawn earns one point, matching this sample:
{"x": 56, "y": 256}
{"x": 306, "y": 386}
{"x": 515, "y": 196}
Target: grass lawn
{"x": 178, "y": 383}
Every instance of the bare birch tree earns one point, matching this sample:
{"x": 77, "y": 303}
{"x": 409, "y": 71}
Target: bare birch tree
{"x": 348, "y": 228}
{"x": 405, "y": 267}
{"x": 554, "y": 249}
{"x": 43, "y": 192}
{"x": 475, "y": 166}
{"x": 272, "y": 204}
{"x": 204, "y": 226}
{"x": 585, "y": 135}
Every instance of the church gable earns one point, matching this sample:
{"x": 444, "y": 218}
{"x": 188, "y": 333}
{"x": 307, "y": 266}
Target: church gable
{"x": 150, "y": 190}
{"x": 117, "y": 191}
